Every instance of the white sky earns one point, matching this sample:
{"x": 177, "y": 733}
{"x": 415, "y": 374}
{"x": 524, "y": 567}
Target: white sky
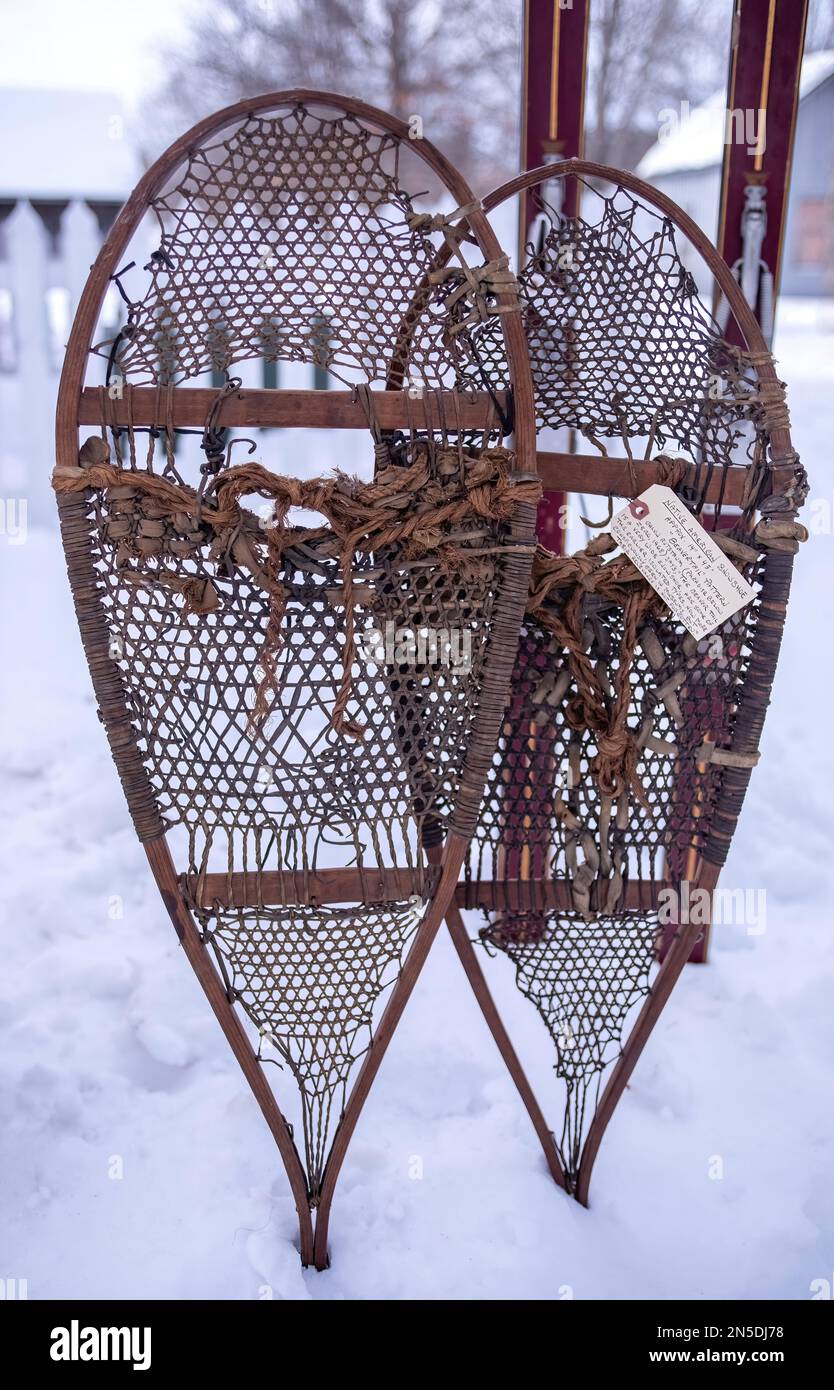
{"x": 108, "y": 45}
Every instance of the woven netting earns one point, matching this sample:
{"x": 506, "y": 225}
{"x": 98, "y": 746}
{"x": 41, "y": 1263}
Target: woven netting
{"x": 309, "y": 978}
{"x": 621, "y": 346}
{"x": 622, "y": 349}
{"x": 583, "y": 976}
{"x": 191, "y": 681}
{"x": 542, "y": 795}
{"x": 291, "y": 239}
{"x": 545, "y": 820}
{"x": 292, "y": 793}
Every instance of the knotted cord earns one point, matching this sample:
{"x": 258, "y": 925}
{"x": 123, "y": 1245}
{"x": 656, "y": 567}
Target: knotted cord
{"x": 412, "y": 506}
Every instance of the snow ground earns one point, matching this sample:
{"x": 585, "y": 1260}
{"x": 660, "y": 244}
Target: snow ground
{"x": 109, "y": 1051}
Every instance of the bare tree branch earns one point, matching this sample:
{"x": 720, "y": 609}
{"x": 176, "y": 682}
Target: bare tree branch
{"x": 645, "y": 55}
{"x": 454, "y": 65}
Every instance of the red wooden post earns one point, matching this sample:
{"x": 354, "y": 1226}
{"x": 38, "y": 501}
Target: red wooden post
{"x": 762, "y": 99}
{"x": 768, "y": 39}
{"x": 555, "y": 41}
{"x": 555, "y": 50}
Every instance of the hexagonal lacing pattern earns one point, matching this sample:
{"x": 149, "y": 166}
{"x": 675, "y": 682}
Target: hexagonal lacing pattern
{"x": 294, "y": 795}
{"x": 621, "y": 345}
{"x": 544, "y": 818}
{"x": 294, "y": 784}
{"x": 309, "y": 978}
{"x": 583, "y": 976}
{"x": 290, "y": 240}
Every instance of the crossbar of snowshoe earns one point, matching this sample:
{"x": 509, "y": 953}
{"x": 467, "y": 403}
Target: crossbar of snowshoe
{"x": 374, "y": 885}
{"x": 619, "y": 477}
{"x": 252, "y": 409}
{"x": 262, "y": 409}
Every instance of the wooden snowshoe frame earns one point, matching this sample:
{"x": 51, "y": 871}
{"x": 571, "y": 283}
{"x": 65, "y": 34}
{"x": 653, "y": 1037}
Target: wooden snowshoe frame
{"x": 270, "y": 211}
{"x": 570, "y": 879}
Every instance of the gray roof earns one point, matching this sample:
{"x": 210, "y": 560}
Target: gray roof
{"x": 698, "y": 141}
{"x": 65, "y": 144}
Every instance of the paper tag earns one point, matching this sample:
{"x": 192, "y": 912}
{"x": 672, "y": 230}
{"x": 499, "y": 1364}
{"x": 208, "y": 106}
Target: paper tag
{"x": 680, "y": 560}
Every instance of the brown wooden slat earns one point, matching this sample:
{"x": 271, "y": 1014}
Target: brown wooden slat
{"x": 289, "y": 409}
{"x": 324, "y": 886}
{"x": 590, "y": 473}
{"x": 393, "y": 885}
{"x": 523, "y": 895}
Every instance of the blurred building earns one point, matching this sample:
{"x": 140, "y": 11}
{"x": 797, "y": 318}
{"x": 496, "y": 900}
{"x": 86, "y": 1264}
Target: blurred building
{"x": 66, "y": 166}
{"x": 686, "y": 165}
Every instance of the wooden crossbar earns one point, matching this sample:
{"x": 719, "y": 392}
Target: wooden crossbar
{"x": 531, "y": 895}
{"x": 253, "y": 409}
{"x": 601, "y": 477}
{"x": 374, "y": 885}
{"x": 594, "y": 474}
